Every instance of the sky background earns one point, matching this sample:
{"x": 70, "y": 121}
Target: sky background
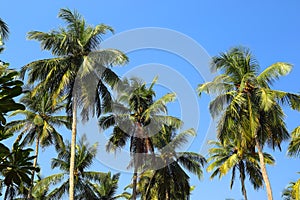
{"x": 271, "y": 29}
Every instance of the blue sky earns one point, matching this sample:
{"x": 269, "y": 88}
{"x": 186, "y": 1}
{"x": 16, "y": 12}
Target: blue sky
{"x": 271, "y": 29}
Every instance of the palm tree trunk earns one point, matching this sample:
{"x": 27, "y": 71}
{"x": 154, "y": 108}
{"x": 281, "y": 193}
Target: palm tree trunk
{"x": 263, "y": 169}
{"x": 134, "y": 184}
{"x": 73, "y": 145}
{"x": 37, "y": 144}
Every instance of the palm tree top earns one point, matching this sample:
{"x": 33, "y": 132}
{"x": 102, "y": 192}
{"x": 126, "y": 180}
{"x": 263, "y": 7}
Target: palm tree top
{"x": 77, "y": 38}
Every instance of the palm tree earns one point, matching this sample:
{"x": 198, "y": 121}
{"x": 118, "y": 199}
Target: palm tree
{"x": 16, "y": 168}
{"x": 85, "y": 181}
{"x": 169, "y": 180}
{"x": 226, "y": 157}
{"x": 77, "y": 69}
{"x": 248, "y": 104}
{"x": 136, "y": 116}
{"x": 39, "y": 124}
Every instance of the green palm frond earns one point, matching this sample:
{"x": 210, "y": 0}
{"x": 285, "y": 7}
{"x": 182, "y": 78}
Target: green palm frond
{"x": 4, "y": 31}
{"x": 273, "y": 72}
{"x": 294, "y": 146}
{"x": 193, "y": 162}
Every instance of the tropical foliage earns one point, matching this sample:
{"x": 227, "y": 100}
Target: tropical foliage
{"x": 167, "y": 179}
{"x": 248, "y": 108}
{"x": 136, "y": 116}
{"x": 78, "y": 79}
{"x": 228, "y": 156}
{"x": 88, "y": 184}
{"x": 79, "y": 70}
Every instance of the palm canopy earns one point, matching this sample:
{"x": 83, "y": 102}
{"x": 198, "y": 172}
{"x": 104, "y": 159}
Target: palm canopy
{"x": 240, "y": 85}
{"x": 77, "y": 58}
{"x": 41, "y": 120}
{"x": 169, "y": 179}
{"x": 226, "y": 157}
{"x": 88, "y": 184}
{"x": 135, "y": 108}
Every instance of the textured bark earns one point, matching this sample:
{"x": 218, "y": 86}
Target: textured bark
{"x": 73, "y": 145}
{"x": 263, "y": 169}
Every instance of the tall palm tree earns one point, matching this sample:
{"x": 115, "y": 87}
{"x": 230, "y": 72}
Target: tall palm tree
{"x": 86, "y": 182}
{"x": 137, "y": 116}
{"x": 247, "y": 103}
{"x": 169, "y": 180}
{"x": 77, "y": 69}
{"x": 226, "y": 157}
{"x": 40, "y": 123}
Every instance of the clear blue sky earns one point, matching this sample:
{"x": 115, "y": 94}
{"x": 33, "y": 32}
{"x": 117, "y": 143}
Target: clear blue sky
{"x": 271, "y": 29}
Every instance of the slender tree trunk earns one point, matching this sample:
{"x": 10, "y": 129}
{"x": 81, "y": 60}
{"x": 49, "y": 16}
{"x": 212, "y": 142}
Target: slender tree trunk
{"x": 37, "y": 144}
{"x": 73, "y": 145}
{"x": 263, "y": 169}
{"x": 134, "y": 184}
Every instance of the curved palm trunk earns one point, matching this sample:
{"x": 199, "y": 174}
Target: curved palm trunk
{"x": 263, "y": 169}
{"x": 37, "y": 144}
{"x": 73, "y": 145}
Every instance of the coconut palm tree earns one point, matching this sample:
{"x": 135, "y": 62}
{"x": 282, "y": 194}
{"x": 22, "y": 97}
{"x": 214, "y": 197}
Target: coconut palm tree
{"x": 135, "y": 117}
{"x": 40, "y": 123}
{"x": 169, "y": 179}
{"x": 79, "y": 69}
{"x": 226, "y": 157}
{"x": 246, "y": 102}
{"x": 86, "y": 182}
